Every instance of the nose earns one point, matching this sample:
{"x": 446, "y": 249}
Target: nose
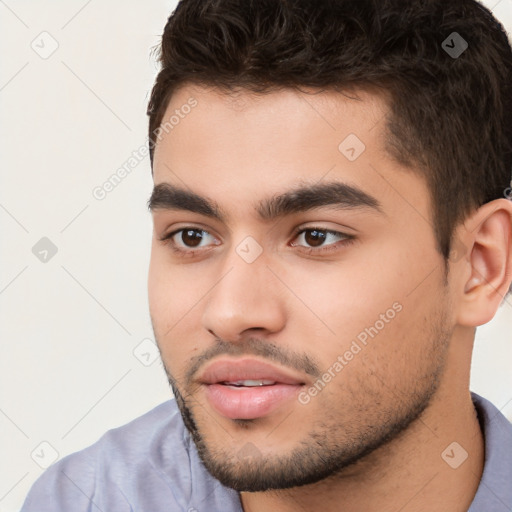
{"x": 247, "y": 298}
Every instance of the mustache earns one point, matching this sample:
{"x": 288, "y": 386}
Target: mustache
{"x": 254, "y": 347}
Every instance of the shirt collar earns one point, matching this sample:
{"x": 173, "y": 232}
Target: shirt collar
{"x": 494, "y": 493}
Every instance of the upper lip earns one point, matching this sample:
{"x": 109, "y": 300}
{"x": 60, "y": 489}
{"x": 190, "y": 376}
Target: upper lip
{"x": 233, "y": 370}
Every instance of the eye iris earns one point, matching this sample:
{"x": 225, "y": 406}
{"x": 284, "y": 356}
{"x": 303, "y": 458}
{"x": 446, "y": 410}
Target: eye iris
{"x": 192, "y": 237}
{"x": 314, "y": 237}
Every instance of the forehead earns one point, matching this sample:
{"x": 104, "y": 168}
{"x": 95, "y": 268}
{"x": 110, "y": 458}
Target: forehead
{"x": 242, "y": 122}
{"x": 242, "y": 146}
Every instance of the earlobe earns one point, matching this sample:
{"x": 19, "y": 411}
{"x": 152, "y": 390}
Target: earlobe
{"x": 489, "y": 236}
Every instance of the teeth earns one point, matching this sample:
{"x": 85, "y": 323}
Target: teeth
{"x": 250, "y": 383}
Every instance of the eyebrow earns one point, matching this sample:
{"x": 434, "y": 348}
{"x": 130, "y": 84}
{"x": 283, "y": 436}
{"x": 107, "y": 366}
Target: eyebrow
{"x": 301, "y": 199}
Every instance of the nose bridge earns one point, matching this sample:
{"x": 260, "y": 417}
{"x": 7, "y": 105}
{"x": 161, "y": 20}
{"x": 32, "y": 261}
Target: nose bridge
{"x": 245, "y": 296}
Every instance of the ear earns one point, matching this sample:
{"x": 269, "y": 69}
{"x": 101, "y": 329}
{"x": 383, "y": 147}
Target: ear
{"x": 485, "y": 274}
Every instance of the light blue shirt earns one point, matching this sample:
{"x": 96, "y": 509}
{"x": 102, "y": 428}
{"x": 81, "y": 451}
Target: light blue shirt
{"x": 151, "y": 465}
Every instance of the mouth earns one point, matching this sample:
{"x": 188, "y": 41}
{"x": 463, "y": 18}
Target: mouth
{"x": 249, "y": 383}
{"x": 248, "y": 388}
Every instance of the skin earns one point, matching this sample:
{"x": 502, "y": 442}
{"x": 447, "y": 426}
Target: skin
{"x": 395, "y": 407}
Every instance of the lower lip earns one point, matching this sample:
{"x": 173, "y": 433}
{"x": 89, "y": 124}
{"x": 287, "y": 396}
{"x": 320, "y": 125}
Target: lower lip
{"x": 247, "y": 403}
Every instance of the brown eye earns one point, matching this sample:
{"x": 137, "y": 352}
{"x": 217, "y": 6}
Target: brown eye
{"x": 314, "y": 237}
{"x": 192, "y": 237}
{"x": 320, "y": 239}
{"x": 186, "y": 240}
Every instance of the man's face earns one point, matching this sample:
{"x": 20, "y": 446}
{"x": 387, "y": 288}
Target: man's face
{"x": 300, "y": 330}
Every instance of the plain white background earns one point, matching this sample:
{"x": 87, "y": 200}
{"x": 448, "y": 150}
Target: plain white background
{"x": 78, "y": 356}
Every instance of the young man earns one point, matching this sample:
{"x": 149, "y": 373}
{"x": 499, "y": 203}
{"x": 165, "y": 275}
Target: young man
{"x": 331, "y": 224}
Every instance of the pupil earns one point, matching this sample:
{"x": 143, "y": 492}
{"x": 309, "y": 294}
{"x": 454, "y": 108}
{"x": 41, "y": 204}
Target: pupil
{"x": 194, "y": 237}
{"x": 314, "y": 237}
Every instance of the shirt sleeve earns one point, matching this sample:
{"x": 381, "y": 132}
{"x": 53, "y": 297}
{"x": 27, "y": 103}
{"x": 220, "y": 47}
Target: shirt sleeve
{"x": 66, "y": 485}
{"x": 74, "y": 485}
{"x": 147, "y": 465}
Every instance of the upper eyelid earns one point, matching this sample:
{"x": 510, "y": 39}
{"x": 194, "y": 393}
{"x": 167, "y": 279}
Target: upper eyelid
{"x": 296, "y": 231}
{"x": 173, "y": 232}
{"x": 211, "y": 224}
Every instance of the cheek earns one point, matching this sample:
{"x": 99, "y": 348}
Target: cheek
{"x": 345, "y": 298}
{"x": 372, "y": 302}
{"x": 174, "y": 296}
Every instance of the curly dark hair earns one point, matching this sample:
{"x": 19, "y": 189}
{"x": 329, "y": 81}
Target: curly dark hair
{"x": 450, "y": 115}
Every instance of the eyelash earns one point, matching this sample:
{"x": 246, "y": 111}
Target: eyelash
{"x": 346, "y": 240}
